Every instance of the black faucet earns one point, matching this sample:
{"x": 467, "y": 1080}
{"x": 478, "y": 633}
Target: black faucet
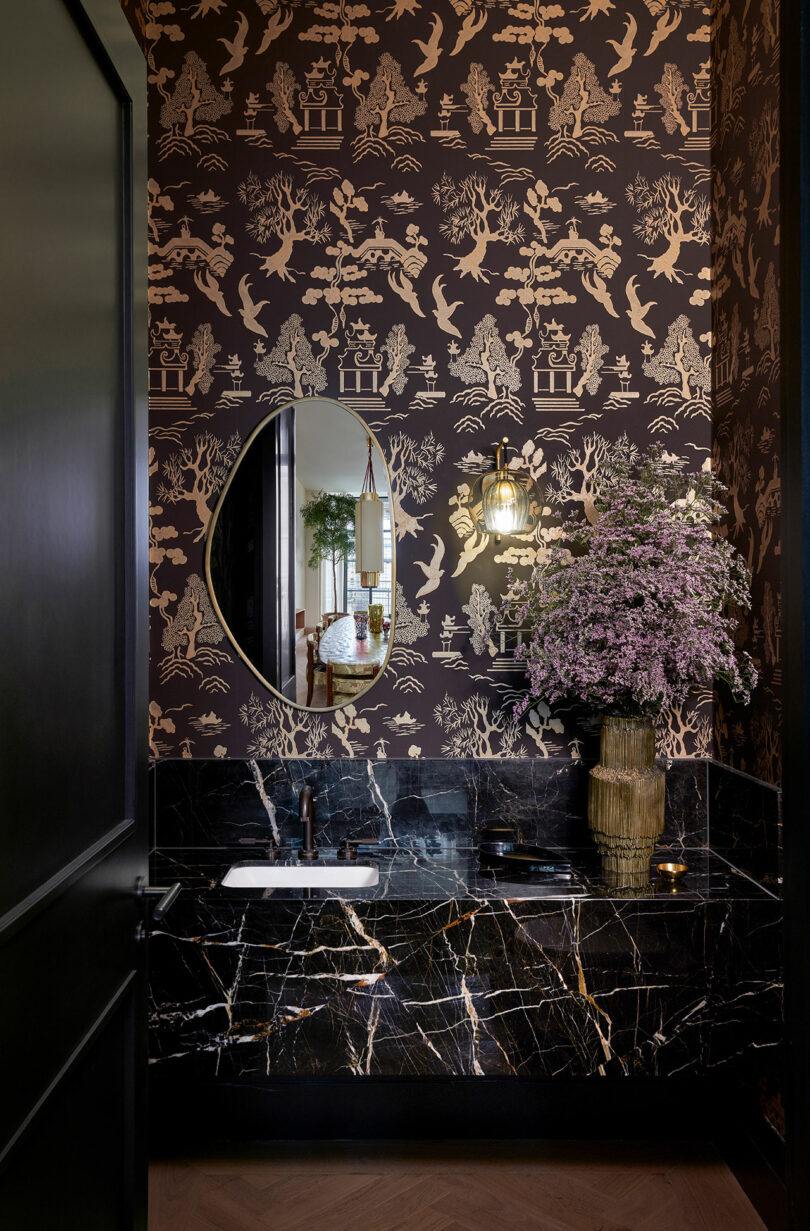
{"x": 305, "y": 815}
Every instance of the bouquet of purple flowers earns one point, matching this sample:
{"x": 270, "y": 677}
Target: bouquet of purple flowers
{"x": 641, "y": 609}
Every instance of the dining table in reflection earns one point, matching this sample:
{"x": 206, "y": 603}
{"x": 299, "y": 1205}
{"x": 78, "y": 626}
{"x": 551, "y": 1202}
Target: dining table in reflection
{"x": 339, "y": 644}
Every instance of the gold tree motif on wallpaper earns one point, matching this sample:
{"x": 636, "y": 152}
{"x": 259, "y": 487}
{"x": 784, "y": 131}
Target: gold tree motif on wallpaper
{"x": 730, "y": 70}
{"x": 769, "y": 12}
{"x": 480, "y": 612}
{"x": 476, "y": 89}
{"x": 157, "y": 199}
{"x": 196, "y": 473}
{"x": 575, "y": 474}
{"x": 728, "y": 242}
{"x": 539, "y": 722}
{"x": 342, "y": 30}
{"x": 671, "y": 212}
{"x": 386, "y": 109}
{"x": 767, "y": 506}
{"x": 537, "y": 202}
{"x": 398, "y": 351}
{"x": 535, "y": 29}
{"x": 278, "y": 730}
{"x": 768, "y": 328}
{"x": 766, "y": 737}
{"x": 670, "y": 90}
{"x": 410, "y": 467}
{"x": 282, "y": 89}
{"x": 592, "y": 351}
{"x": 345, "y": 722}
{"x": 473, "y": 729}
{"x": 682, "y": 368}
{"x": 734, "y": 444}
{"x": 190, "y": 638}
{"x": 475, "y": 210}
{"x": 684, "y": 732}
{"x": 190, "y": 110}
{"x": 578, "y": 113}
{"x": 160, "y": 554}
{"x": 282, "y": 211}
{"x": 765, "y": 159}
{"x": 290, "y": 361}
{"x": 485, "y": 362}
{"x": 157, "y": 723}
{"x": 203, "y": 350}
{"x": 344, "y": 201}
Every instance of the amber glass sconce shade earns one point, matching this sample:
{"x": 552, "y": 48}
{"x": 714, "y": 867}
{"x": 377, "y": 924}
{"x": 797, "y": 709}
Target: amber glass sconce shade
{"x": 505, "y": 501}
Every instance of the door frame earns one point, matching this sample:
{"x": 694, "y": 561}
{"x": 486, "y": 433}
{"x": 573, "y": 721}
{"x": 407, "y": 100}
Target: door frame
{"x": 795, "y": 455}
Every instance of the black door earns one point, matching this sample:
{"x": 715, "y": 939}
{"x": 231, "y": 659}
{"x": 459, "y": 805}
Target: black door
{"x": 72, "y": 621}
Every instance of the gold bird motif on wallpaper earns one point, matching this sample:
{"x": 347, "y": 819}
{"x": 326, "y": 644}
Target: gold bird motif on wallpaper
{"x": 663, "y": 28}
{"x": 235, "y": 46}
{"x": 432, "y": 571}
{"x": 444, "y": 310}
{"x": 250, "y": 310}
{"x": 638, "y": 310}
{"x": 626, "y": 49}
{"x": 276, "y": 25}
{"x": 399, "y": 281}
{"x": 470, "y": 26}
{"x": 595, "y": 285}
{"x": 211, "y": 289}
{"x": 431, "y": 49}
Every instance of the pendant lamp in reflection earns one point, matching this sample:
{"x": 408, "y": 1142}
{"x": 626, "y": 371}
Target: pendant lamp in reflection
{"x": 368, "y": 529}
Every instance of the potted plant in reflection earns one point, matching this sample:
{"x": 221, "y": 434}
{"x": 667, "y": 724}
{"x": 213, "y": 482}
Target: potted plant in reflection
{"x": 330, "y": 517}
{"x": 638, "y": 612}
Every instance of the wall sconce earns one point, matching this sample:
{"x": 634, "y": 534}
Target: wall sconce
{"x": 368, "y": 529}
{"x": 504, "y": 501}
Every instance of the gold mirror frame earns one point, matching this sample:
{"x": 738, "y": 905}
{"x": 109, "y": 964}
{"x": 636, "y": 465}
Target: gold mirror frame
{"x": 350, "y": 700}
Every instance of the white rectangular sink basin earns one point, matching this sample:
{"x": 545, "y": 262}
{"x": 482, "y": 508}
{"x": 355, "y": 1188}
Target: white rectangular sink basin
{"x": 301, "y": 876}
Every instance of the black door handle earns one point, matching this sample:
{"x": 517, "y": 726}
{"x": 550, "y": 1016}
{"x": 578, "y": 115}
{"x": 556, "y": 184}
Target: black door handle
{"x": 166, "y": 895}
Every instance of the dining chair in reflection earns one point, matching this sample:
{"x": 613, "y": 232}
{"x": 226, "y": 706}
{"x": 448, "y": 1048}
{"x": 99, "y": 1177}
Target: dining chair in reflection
{"x": 347, "y": 679}
{"x": 314, "y": 664}
{"x": 329, "y": 617}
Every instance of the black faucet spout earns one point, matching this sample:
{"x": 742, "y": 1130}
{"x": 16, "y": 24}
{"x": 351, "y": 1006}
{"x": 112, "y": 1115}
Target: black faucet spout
{"x": 306, "y": 816}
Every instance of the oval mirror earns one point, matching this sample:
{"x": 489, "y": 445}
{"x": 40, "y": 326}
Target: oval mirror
{"x": 300, "y": 555}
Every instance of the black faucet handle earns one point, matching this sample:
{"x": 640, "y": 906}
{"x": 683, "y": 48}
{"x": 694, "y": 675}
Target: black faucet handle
{"x": 349, "y": 848}
{"x": 306, "y": 816}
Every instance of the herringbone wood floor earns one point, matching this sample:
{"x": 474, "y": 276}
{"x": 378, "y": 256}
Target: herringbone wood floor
{"x": 471, "y": 1186}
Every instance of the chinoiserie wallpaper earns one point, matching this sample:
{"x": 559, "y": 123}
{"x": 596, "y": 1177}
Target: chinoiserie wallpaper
{"x": 745, "y": 252}
{"x": 464, "y": 219}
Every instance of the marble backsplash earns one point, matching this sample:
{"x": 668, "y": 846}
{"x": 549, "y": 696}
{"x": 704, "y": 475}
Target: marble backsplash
{"x": 418, "y": 802}
{"x": 745, "y": 822}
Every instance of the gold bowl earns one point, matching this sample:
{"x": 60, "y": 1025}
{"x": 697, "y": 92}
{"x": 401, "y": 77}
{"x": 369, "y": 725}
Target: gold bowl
{"x": 671, "y": 873}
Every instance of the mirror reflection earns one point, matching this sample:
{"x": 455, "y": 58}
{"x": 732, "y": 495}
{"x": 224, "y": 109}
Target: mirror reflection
{"x": 300, "y": 555}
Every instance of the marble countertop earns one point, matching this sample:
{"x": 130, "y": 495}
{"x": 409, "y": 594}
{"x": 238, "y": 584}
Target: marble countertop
{"x": 423, "y": 873}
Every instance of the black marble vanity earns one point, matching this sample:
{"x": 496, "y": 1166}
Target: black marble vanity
{"x": 443, "y": 969}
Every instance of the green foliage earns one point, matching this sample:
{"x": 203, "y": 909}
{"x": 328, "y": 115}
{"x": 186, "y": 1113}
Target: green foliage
{"x": 331, "y": 517}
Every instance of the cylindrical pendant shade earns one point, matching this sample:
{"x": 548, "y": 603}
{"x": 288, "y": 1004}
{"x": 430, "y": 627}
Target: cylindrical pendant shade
{"x": 368, "y": 538}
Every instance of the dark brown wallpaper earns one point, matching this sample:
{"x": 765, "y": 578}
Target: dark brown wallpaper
{"x": 745, "y": 262}
{"x": 510, "y": 204}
